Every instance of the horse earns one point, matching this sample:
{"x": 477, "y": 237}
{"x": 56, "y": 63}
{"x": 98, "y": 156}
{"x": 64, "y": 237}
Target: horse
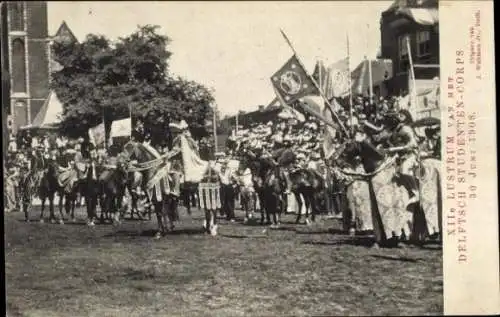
{"x": 136, "y": 190}
{"x": 309, "y": 184}
{"x": 137, "y": 179}
{"x": 392, "y": 219}
{"x": 274, "y": 201}
{"x": 164, "y": 187}
{"x": 157, "y": 180}
{"x": 109, "y": 187}
{"x": 49, "y": 186}
{"x": 270, "y": 181}
{"x": 258, "y": 169}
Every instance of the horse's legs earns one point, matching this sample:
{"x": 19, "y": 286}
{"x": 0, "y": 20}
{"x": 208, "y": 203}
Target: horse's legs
{"x": 67, "y": 204}
{"x": 206, "y": 223}
{"x": 42, "y": 200}
{"x": 91, "y": 207}
{"x": 60, "y": 203}
{"x": 168, "y": 213}
{"x": 51, "y": 206}
{"x": 26, "y": 200}
{"x": 262, "y": 205}
{"x": 298, "y": 199}
{"x": 270, "y": 205}
{"x": 159, "y": 216}
{"x": 102, "y": 203}
{"x": 73, "y": 206}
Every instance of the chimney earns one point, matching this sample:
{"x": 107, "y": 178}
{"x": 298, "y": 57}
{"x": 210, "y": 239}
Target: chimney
{"x": 261, "y": 108}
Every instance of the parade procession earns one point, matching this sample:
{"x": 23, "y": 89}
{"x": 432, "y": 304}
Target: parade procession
{"x": 352, "y": 147}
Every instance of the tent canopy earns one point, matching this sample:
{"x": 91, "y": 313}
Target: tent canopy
{"x": 49, "y": 115}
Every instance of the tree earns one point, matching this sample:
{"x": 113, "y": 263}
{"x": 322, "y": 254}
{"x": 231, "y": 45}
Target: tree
{"x": 107, "y": 81}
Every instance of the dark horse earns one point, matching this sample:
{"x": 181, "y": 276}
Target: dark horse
{"x": 109, "y": 188}
{"x": 269, "y": 185}
{"x": 49, "y": 186}
{"x": 308, "y": 183}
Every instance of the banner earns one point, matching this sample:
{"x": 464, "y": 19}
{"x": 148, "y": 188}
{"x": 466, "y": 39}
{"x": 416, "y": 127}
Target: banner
{"x": 334, "y": 80}
{"x": 291, "y": 82}
{"x": 97, "y": 135}
{"x": 121, "y": 128}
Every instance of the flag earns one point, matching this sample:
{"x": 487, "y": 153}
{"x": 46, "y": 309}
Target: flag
{"x": 296, "y": 114}
{"x": 121, "y": 128}
{"x": 334, "y": 80}
{"x": 97, "y": 135}
{"x": 381, "y": 71}
{"x": 292, "y": 81}
{"x": 330, "y": 133}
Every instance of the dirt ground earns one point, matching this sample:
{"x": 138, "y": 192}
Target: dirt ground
{"x": 74, "y": 270}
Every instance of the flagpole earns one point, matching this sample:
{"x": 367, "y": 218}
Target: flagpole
{"x": 370, "y": 79}
{"x": 320, "y": 74}
{"x": 344, "y": 130}
{"x": 412, "y": 72}
{"x": 349, "y": 82}
{"x": 215, "y": 128}
{"x": 104, "y": 127}
{"x": 130, "y": 114}
{"x": 327, "y": 122}
{"x": 237, "y": 115}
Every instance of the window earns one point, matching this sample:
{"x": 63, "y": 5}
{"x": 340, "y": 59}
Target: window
{"x": 18, "y": 66}
{"x": 423, "y": 43}
{"x": 404, "y": 58}
{"x": 16, "y": 15}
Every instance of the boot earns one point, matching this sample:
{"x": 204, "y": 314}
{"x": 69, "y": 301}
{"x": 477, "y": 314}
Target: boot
{"x": 410, "y": 184}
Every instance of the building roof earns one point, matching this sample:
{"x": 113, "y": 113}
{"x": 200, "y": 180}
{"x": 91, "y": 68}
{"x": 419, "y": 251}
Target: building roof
{"x": 64, "y": 33}
{"x": 49, "y": 115}
{"x": 398, "y": 4}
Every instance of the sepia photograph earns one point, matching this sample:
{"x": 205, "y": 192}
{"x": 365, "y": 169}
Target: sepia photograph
{"x": 225, "y": 158}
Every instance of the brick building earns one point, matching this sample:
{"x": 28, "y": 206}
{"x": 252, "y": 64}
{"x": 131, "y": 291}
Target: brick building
{"x": 416, "y": 21}
{"x": 26, "y": 59}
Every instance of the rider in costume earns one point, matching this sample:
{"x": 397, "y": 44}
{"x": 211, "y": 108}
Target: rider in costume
{"x": 404, "y": 142}
{"x": 285, "y": 157}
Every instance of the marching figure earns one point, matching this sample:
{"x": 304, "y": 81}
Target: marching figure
{"x": 228, "y": 183}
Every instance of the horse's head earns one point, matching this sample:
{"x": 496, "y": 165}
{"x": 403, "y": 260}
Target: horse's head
{"x": 137, "y": 151}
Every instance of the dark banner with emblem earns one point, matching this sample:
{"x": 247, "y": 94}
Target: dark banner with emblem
{"x": 292, "y": 81}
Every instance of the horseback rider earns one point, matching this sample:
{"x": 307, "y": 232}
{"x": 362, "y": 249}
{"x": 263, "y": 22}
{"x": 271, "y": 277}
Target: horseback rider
{"x": 284, "y": 158}
{"x": 404, "y": 143}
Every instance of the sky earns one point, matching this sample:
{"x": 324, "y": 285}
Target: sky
{"x": 235, "y": 47}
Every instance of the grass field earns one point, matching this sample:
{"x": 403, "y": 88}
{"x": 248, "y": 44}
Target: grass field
{"x": 74, "y": 270}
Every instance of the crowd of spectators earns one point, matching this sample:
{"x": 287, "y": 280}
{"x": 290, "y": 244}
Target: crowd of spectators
{"x": 376, "y": 119}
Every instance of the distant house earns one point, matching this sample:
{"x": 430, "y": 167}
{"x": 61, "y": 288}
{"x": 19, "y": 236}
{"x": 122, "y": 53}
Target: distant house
{"x": 263, "y": 115}
{"x": 418, "y": 22}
